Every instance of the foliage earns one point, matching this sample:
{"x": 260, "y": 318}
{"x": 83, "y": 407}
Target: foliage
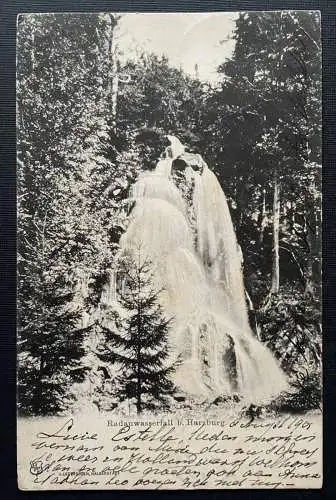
{"x": 159, "y": 97}
{"x": 49, "y": 337}
{"x": 136, "y": 337}
{"x": 72, "y": 178}
{"x": 266, "y": 115}
{"x": 305, "y": 393}
{"x": 291, "y": 328}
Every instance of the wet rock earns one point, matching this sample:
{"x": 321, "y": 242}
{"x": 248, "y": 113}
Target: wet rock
{"x": 220, "y": 399}
{"x": 179, "y": 397}
{"x": 254, "y": 411}
{"x": 195, "y": 161}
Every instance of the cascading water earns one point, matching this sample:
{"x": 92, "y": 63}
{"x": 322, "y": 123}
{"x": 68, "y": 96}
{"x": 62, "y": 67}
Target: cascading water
{"x": 202, "y": 281}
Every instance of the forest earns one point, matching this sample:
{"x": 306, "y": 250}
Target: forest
{"x": 88, "y": 123}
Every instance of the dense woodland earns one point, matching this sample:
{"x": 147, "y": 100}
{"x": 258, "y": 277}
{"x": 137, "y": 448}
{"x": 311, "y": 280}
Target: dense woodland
{"x": 89, "y": 124}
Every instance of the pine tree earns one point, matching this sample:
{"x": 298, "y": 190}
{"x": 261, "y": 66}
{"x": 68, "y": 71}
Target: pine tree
{"x": 50, "y": 343}
{"x": 136, "y": 337}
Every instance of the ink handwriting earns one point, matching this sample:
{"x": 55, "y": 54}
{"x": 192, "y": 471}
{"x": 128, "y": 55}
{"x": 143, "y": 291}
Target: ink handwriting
{"x": 181, "y": 454}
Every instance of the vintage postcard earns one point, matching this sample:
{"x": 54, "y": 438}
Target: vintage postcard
{"x": 169, "y": 251}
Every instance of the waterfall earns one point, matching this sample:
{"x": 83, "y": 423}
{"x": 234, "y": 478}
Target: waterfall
{"x": 202, "y": 281}
{"x": 216, "y": 241}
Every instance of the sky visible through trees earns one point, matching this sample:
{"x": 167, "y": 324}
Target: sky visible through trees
{"x": 204, "y": 39}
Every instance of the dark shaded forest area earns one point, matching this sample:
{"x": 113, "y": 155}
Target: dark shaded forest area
{"x": 87, "y": 125}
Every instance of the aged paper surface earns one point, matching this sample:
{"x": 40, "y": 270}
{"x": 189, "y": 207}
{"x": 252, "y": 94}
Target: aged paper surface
{"x": 170, "y": 453}
{"x": 169, "y": 251}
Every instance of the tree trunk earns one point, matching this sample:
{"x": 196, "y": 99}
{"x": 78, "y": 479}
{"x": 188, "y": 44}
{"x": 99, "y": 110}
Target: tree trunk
{"x": 138, "y": 389}
{"x": 138, "y": 347}
{"x": 318, "y": 244}
{"x": 113, "y": 82}
{"x": 38, "y": 393}
{"x": 32, "y": 51}
{"x": 312, "y": 227}
{"x": 263, "y": 217}
{"x": 310, "y": 238}
{"x": 276, "y": 230}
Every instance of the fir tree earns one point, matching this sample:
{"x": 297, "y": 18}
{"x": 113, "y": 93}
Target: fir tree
{"x": 136, "y": 337}
{"x": 50, "y": 344}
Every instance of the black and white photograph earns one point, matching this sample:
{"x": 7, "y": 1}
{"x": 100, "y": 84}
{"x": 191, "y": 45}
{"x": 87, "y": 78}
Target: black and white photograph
{"x": 169, "y": 250}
